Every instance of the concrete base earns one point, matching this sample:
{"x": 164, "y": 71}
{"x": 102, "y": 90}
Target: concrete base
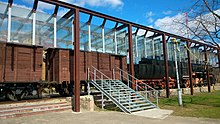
{"x": 154, "y": 113}
{"x": 86, "y": 103}
{"x": 173, "y": 92}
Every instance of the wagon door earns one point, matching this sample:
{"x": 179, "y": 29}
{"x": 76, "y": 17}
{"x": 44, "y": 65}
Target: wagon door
{"x": 24, "y": 63}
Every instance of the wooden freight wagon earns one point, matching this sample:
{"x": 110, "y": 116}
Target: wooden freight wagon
{"x": 20, "y": 68}
{"x": 20, "y": 63}
{"x": 60, "y": 66}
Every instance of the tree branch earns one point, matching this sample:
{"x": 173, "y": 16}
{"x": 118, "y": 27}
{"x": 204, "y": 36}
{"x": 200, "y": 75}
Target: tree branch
{"x": 206, "y": 4}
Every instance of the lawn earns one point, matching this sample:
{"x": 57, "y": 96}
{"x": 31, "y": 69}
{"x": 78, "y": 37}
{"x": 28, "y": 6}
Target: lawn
{"x": 205, "y": 105}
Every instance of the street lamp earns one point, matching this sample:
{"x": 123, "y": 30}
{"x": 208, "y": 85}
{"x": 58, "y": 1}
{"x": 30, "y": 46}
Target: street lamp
{"x": 173, "y": 40}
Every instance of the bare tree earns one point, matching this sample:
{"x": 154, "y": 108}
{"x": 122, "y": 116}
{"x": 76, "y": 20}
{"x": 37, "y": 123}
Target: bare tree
{"x": 202, "y": 21}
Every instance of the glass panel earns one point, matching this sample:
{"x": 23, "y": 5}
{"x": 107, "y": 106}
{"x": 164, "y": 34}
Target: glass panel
{"x": 121, "y": 45}
{"x": 182, "y": 54}
{"x": 21, "y": 25}
{"x": 158, "y": 48}
{"x": 109, "y": 41}
{"x": 140, "y": 44}
{"x": 149, "y": 47}
{"x": 44, "y": 29}
{"x": 3, "y": 22}
{"x": 83, "y": 36}
{"x": 96, "y": 38}
{"x": 64, "y": 32}
{"x": 134, "y": 49}
{"x": 170, "y": 50}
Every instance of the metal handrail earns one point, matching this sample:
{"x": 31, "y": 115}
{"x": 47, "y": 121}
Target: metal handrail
{"x": 133, "y": 77}
{"x": 110, "y": 85}
{"x": 145, "y": 85}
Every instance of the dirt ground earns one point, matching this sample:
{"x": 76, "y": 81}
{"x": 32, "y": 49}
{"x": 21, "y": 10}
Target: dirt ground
{"x": 103, "y": 117}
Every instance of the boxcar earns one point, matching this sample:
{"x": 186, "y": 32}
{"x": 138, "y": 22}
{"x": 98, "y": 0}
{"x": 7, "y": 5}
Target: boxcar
{"x": 20, "y": 69}
{"x": 25, "y": 69}
{"x": 60, "y": 66}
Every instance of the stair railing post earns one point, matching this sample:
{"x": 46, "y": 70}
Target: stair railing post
{"x": 94, "y": 74}
{"x": 157, "y": 98}
{"x": 119, "y": 95}
{"x": 110, "y": 87}
{"x": 146, "y": 92}
{"x": 136, "y": 85}
{"x": 120, "y": 75}
{"x": 129, "y": 102}
{"x": 88, "y": 82}
{"x": 113, "y": 72}
{"x": 128, "y": 80}
{"x": 102, "y": 93}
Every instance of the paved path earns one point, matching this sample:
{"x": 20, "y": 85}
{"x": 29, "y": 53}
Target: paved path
{"x": 68, "y": 117}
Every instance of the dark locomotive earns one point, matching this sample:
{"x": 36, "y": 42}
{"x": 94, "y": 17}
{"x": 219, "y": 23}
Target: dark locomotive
{"x": 152, "y": 71}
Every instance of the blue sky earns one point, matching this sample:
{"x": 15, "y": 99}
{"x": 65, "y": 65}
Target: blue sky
{"x": 145, "y": 12}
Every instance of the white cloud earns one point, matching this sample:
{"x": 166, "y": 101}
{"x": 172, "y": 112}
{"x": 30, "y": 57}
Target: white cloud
{"x": 167, "y": 12}
{"x": 150, "y": 20}
{"x": 168, "y": 24}
{"x": 41, "y": 6}
{"x": 111, "y": 3}
{"x": 149, "y": 14}
{"x": 96, "y": 3}
{"x": 173, "y": 24}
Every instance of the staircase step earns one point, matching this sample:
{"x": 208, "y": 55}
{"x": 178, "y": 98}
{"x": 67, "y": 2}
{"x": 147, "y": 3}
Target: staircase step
{"x": 139, "y": 105}
{"x": 142, "y": 108}
{"x": 34, "y": 108}
{"x": 131, "y": 99}
{"x": 2, "y": 108}
{"x": 119, "y": 90}
{"x": 124, "y": 95}
{"x": 115, "y": 86}
{"x": 34, "y": 112}
{"x": 134, "y": 102}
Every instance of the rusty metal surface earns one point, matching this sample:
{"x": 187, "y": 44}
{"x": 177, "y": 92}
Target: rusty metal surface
{"x": 218, "y": 52}
{"x": 207, "y": 69}
{"x": 166, "y": 76}
{"x": 76, "y": 62}
{"x": 130, "y": 51}
{"x": 189, "y": 67}
{"x": 118, "y": 20}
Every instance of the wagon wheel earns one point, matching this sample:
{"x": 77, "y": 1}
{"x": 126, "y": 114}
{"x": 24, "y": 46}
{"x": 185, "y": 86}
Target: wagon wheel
{"x": 15, "y": 97}
{"x": 11, "y": 95}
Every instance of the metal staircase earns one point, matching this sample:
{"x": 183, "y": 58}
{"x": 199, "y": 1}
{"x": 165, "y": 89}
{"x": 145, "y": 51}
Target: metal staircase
{"x": 127, "y": 99}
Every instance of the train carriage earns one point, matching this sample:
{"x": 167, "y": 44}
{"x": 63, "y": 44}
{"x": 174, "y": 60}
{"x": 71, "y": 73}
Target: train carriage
{"x": 23, "y": 72}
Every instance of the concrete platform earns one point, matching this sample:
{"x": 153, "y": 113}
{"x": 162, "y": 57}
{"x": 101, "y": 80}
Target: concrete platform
{"x": 154, "y": 113}
{"x": 103, "y": 117}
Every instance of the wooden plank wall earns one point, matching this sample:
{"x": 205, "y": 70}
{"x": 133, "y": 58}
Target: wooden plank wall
{"x": 62, "y": 70}
{"x": 2, "y": 58}
{"x": 22, "y": 63}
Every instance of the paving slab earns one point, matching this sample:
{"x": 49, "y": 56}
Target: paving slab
{"x": 103, "y": 117}
{"x": 154, "y": 113}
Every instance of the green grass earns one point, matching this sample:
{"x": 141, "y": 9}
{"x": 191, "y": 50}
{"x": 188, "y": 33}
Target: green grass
{"x": 205, "y": 105}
